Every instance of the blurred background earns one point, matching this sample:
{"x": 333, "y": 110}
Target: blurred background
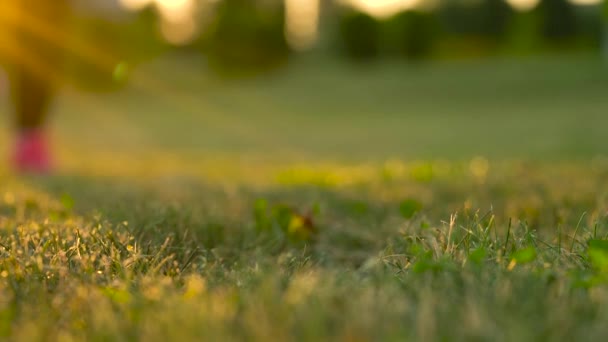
{"x": 296, "y": 80}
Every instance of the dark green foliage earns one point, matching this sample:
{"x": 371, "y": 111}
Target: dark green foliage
{"x": 457, "y": 19}
{"x": 497, "y": 15}
{"x": 524, "y": 34}
{"x": 409, "y": 207}
{"x": 487, "y": 19}
{"x": 590, "y": 25}
{"x": 559, "y": 20}
{"x": 359, "y": 34}
{"x": 524, "y": 255}
{"x": 247, "y": 36}
{"x": 412, "y": 34}
{"x": 478, "y": 256}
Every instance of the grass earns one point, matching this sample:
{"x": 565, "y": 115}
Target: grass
{"x": 256, "y": 212}
{"x": 547, "y": 108}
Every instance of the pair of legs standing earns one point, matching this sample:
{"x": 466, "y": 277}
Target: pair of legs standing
{"x": 33, "y": 47}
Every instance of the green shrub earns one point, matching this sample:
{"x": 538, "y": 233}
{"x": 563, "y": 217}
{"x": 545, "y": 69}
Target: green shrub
{"x": 589, "y": 19}
{"x": 412, "y": 34}
{"x": 488, "y": 19}
{"x": 474, "y": 28}
{"x": 359, "y": 35}
{"x": 496, "y": 15}
{"x": 524, "y": 36}
{"x": 559, "y": 20}
{"x": 247, "y": 36}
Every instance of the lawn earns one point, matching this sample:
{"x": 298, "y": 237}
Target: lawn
{"x": 453, "y": 201}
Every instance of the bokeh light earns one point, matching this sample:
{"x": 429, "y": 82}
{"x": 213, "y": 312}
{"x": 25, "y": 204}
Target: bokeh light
{"x": 135, "y": 4}
{"x": 176, "y": 10}
{"x": 586, "y": 2}
{"x": 523, "y": 5}
{"x": 178, "y": 23}
{"x": 179, "y": 32}
{"x": 382, "y": 8}
{"x": 302, "y": 21}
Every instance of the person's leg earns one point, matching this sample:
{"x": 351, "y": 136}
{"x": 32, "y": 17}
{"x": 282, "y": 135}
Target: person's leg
{"x": 32, "y": 88}
{"x": 34, "y": 77}
{"x": 31, "y": 98}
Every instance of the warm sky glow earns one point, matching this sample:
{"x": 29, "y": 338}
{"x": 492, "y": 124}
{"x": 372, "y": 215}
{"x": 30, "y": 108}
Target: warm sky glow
{"x": 179, "y": 24}
{"x": 179, "y": 32}
{"x": 178, "y": 20}
{"x": 302, "y": 23}
{"x": 523, "y": 5}
{"x": 176, "y": 10}
{"x": 135, "y": 4}
{"x": 526, "y": 5}
{"x": 386, "y": 8}
{"x": 382, "y": 8}
{"x": 586, "y": 2}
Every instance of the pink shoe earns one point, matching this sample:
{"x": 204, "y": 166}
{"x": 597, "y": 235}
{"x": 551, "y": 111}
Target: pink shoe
{"x": 31, "y": 153}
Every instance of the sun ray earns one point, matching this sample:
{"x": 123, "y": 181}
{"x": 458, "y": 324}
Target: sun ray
{"x": 90, "y": 52}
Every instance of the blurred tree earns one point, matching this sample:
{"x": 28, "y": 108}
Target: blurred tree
{"x": 484, "y": 19}
{"x": 359, "y": 34}
{"x": 412, "y": 34}
{"x": 496, "y": 16}
{"x": 474, "y": 27}
{"x": 247, "y": 36}
{"x": 524, "y": 35}
{"x": 559, "y": 20}
{"x": 589, "y": 22}
{"x": 605, "y": 29}
{"x": 460, "y": 18}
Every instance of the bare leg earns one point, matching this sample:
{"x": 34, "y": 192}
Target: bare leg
{"x": 31, "y": 97}
{"x": 37, "y": 28}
